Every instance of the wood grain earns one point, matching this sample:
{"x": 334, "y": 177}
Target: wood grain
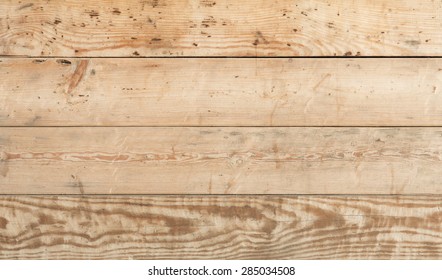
{"x": 221, "y": 92}
{"x": 221, "y": 227}
{"x": 104, "y": 160}
{"x": 221, "y": 28}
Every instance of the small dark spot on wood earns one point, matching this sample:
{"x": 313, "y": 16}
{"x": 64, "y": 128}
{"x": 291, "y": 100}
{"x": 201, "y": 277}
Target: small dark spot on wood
{"x": 136, "y": 53}
{"x": 93, "y": 14}
{"x": 64, "y": 62}
{"x": 348, "y": 54}
{"x": 116, "y": 11}
{"x": 413, "y": 43}
{"x": 57, "y": 21}
{"x": 93, "y": 72}
{"x": 195, "y": 44}
{"x": 259, "y": 39}
{"x": 156, "y": 39}
{"x": 207, "y": 3}
{"x": 208, "y": 21}
{"x": 3, "y": 223}
{"x": 38, "y": 61}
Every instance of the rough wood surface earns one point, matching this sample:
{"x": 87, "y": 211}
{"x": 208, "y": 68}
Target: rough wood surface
{"x": 238, "y": 227}
{"x": 220, "y": 160}
{"x": 221, "y": 92}
{"x": 220, "y": 28}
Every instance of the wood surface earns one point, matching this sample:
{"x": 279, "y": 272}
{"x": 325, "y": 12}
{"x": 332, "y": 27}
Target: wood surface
{"x": 221, "y": 92}
{"x": 221, "y": 28}
{"x": 197, "y": 129}
{"x": 221, "y": 227}
{"x": 127, "y": 160}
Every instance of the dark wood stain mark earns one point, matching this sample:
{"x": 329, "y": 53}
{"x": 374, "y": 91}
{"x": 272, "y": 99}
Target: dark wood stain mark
{"x": 3, "y": 223}
{"x": 77, "y": 185}
{"x": 78, "y": 75}
{"x": 44, "y": 219}
{"x": 38, "y": 61}
{"x": 116, "y": 11}
{"x": 4, "y": 164}
{"x": 24, "y": 6}
{"x": 208, "y": 3}
{"x": 208, "y": 21}
{"x": 64, "y": 62}
{"x": 259, "y": 39}
{"x": 32, "y": 122}
{"x": 57, "y": 21}
{"x": 275, "y": 152}
{"x": 413, "y": 43}
{"x": 93, "y": 14}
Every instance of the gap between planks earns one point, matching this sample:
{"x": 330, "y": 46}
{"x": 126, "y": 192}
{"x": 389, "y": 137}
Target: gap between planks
{"x": 219, "y": 57}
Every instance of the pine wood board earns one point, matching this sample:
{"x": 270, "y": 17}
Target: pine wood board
{"x": 220, "y": 92}
{"x": 127, "y": 160}
{"x": 221, "y": 28}
{"x": 220, "y": 227}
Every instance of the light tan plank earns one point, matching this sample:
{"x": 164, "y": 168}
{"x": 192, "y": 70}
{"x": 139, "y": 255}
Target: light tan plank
{"x": 220, "y": 160}
{"x": 220, "y": 227}
{"x": 217, "y": 92}
{"x": 220, "y": 28}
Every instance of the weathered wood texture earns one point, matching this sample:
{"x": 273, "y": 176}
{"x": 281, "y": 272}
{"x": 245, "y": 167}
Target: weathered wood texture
{"x": 220, "y": 28}
{"x": 239, "y": 227}
{"x": 217, "y": 92}
{"x": 220, "y": 160}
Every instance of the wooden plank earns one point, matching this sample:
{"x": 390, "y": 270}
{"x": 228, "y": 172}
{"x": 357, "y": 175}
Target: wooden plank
{"x": 226, "y": 28}
{"x": 104, "y": 160}
{"x": 220, "y": 227}
{"x": 221, "y": 92}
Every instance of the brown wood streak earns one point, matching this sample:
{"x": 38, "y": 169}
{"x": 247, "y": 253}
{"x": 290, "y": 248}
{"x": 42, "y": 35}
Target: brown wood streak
{"x": 227, "y": 28}
{"x": 221, "y": 92}
{"x": 201, "y": 227}
{"x": 78, "y": 75}
{"x": 202, "y": 160}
